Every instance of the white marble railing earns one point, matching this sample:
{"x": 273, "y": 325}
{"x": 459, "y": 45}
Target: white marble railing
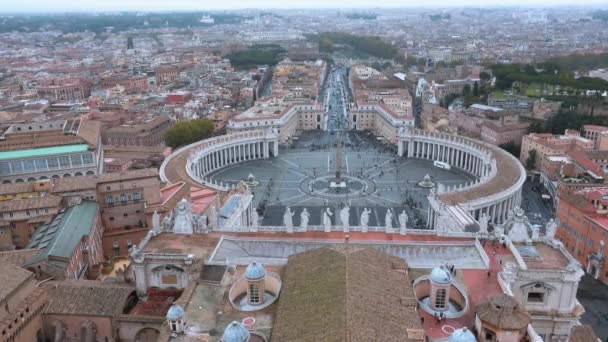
{"x": 352, "y": 229}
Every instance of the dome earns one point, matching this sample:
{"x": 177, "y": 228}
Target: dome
{"x": 235, "y": 332}
{"x": 175, "y": 313}
{"x": 462, "y": 335}
{"x": 255, "y": 271}
{"x": 441, "y": 275}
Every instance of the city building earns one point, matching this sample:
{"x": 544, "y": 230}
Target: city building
{"x": 548, "y": 145}
{"x": 70, "y": 244}
{"x": 147, "y": 132}
{"x": 50, "y": 149}
{"x": 287, "y": 119}
{"x": 23, "y": 304}
{"x": 583, "y": 228}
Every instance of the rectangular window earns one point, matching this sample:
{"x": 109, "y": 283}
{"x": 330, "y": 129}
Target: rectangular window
{"x": 17, "y": 167}
{"x": 76, "y": 159}
{"x": 41, "y": 164}
{"x": 28, "y": 165}
{"x": 254, "y": 294}
{"x": 5, "y": 168}
{"x": 440, "y": 299}
{"x": 53, "y": 163}
{"x": 64, "y": 161}
{"x": 536, "y": 297}
{"x": 87, "y": 158}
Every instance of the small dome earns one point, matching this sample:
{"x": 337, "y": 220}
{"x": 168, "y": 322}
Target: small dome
{"x": 441, "y": 275}
{"x": 175, "y": 313}
{"x": 462, "y": 335}
{"x": 235, "y": 332}
{"x": 255, "y": 271}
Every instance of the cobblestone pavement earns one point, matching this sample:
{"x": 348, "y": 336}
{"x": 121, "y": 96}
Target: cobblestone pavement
{"x": 593, "y": 295}
{"x": 283, "y": 181}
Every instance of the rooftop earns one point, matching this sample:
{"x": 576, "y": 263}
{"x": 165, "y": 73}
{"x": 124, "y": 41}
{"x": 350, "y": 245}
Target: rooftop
{"x": 540, "y": 256}
{"x": 326, "y": 290}
{"x": 87, "y": 297}
{"x": 11, "y": 277}
{"x": 198, "y": 245}
{"x": 44, "y": 151}
{"x": 59, "y": 237}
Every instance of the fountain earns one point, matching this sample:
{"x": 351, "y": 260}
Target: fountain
{"x": 426, "y": 182}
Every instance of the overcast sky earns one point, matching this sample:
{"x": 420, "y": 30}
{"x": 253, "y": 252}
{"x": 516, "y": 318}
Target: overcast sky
{"x": 184, "y": 5}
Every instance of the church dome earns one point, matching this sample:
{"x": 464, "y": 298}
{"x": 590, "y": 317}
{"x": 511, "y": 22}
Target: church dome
{"x": 235, "y": 332}
{"x": 462, "y": 335}
{"x": 440, "y": 275}
{"x": 175, "y": 313}
{"x": 255, "y": 271}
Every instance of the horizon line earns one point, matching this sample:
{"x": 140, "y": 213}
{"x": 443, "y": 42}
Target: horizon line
{"x": 237, "y": 9}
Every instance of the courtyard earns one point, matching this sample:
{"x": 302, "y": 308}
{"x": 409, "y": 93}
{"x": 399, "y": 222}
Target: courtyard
{"x": 374, "y": 177}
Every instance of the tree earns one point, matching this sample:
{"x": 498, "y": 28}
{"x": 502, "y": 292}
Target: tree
{"x": 512, "y": 148}
{"x": 537, "y": 127}
{"x": 188, "y": 132}
{"x": 531, "y": 161}
{"x": 484, "y": 76}
{"x": 466, "y": 90}
{"x": 476, "y": 89}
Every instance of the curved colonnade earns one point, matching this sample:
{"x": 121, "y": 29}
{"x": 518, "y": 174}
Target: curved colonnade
{"x": 451, "y": 208}
{"x": 493, "y": 195}
{"x": 209, "y": 155}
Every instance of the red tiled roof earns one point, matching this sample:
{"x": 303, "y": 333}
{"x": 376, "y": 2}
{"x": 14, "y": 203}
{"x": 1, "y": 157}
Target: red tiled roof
{"x": 585, "y": 162}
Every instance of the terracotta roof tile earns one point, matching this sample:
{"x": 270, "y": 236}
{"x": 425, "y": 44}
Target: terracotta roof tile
{"x": 346, "y": 295}
{"x": 87, "y": 297}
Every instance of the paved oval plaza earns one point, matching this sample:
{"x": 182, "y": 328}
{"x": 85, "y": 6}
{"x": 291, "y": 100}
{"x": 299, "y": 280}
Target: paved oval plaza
{"x": 375, "y": 178}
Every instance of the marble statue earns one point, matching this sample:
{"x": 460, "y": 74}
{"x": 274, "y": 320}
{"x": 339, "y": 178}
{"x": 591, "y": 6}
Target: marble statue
{"x": 440, "y": 188}
{"x": 600, "y": 250}
{"x": 365, "y": 219}
{"x": 483, "y": 223}
{"x": 183, "y": 222}
{"x": 167, "y": 222}
{"x": 254, "y": 221}
{"x": 213, "y": 218}
{"x": 388, "y": 220}
{"x": 304, "y": 217}
{"x": 344, "y": 217}
{"x": 403, "y": 223}
{"x": 535, "y": 232}
{"x": 550, "y": 229}
{"x": 200, "y": 223}
{"x": 156, "y": 220}
{"x": 327, "y": 220}
{"x": 287, "y": 219}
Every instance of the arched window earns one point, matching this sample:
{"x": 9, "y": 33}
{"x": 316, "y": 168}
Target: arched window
{"x": 440, "y": 299}
{"x": 254, "y": 294}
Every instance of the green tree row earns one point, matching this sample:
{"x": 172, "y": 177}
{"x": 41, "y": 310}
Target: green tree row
{"x": 549, "y": 74}
{"x": 188, "y": 132}
{"x": 371, "y": 45}
{"x": 255, "y": 55}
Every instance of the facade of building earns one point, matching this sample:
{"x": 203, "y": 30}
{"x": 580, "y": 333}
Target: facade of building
{"x": 548, "y": 145}
{"x": 286, "y": 118}
{"x": 53, "y": 149}
{"x": 582, "y": 218}
{"x": 150, "y": 132}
